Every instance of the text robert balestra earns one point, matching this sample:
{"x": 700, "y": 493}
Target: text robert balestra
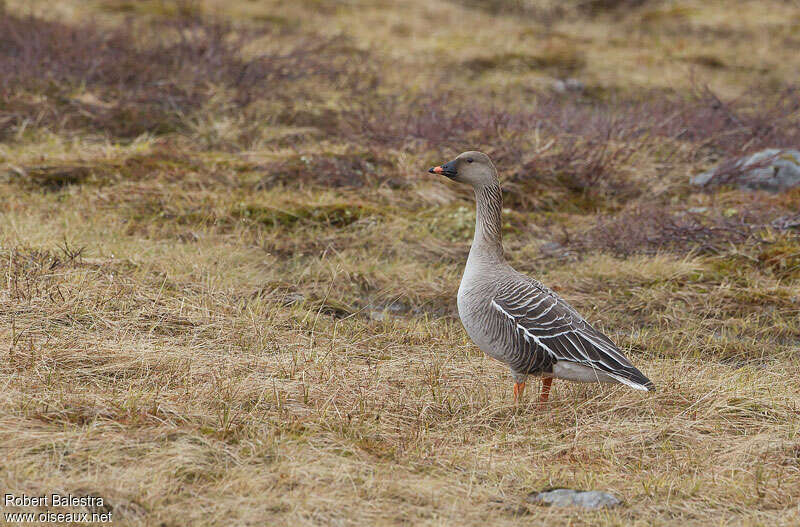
{"x": 51, "y": 500}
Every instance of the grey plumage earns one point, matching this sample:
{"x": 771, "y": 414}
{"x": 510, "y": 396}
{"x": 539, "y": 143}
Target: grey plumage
{"x": 514, "y": 318}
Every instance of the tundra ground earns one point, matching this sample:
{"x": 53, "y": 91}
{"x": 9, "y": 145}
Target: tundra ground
{"x": 227, "y": 283}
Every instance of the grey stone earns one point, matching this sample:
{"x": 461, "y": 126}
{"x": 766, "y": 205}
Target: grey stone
{"x": 376, "y": 315}
{"x": 784, "y": 223}
{"x": 293, "y": 298}
{"x": 589, "y": 499}
{"x": 772, "y": 169}
{"x": 702, "y": 179}
{"x": 396, "y": 307}
{"x": 565, "y": 85}
{"x": 387, "y": 311}
{"x": 550, "y": 247}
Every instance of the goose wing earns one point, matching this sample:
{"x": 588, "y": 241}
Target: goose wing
{"x": 534, "y": 315}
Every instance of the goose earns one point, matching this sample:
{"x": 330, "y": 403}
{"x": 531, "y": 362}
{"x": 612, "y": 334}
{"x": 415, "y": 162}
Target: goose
{"x": 516, "y": 319}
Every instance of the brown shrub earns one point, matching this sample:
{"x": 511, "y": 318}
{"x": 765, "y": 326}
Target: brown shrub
{"x": 555, "y": 10}
{"x": 757, "y": 119}
{"x": 589, "y": 146}
{"x": 330, "y": 170}
{"x": 653, "y": 228}
{"x": 130, "y": 88}
{"x": 589, "y": 143}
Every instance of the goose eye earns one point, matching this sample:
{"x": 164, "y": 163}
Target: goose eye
{"x": 470, "y": 160}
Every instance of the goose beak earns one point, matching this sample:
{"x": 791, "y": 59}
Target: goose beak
{"x": 448, "y": 169}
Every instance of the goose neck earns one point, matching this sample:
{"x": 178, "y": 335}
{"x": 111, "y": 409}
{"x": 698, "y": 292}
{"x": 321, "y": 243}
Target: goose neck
{"x": 488, "y": 238}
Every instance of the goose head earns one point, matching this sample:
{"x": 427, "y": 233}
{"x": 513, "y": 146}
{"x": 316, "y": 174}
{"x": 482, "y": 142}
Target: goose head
{"x": 473, "y": 168}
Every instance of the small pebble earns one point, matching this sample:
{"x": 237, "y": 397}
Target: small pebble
{"x": 592, "y": 499}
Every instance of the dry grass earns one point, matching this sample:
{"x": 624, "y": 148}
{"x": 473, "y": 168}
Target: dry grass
{"x": 227, "y": 285}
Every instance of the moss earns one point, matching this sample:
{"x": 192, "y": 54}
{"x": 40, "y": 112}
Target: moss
{"x": 557, "y": 56}
{"x": 599, "y": 6}
{"x": 50, "y": 178}
{"x": 53, "y": 178}
{"x": 277, "y": 20}
{"x": 160, "y": 8}
{"x": 145, "y": 166}
{"x": 673, "y": 13}
{"x": 723, "y": 268}
{"x": 336, "y": 215}
{"x": 782, "y": 258}
{"x": 709, "y": 61}
{"x": 334, "y": 307}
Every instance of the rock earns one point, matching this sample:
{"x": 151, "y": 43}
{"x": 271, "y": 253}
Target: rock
{"x": 773, "y": 170}
{"x": 376, "y": 315}
{"x": 550, "y": 247}
{"x": 553, "y": 249}
{"x": 785, "y": 223}
{"x": 396, "y": 307}
{"x": 565, "y": 85}
{"x": 293, "y": 298}
{"x": 391, "y": 310}
{"x": 591, "y": 499}
{"x": 188, "y": 237}
{"x": 703, "y": 179}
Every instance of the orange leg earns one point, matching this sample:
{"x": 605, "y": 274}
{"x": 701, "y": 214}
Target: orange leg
{"x": 546, "y": 382}
{"x": 519, "y": 387}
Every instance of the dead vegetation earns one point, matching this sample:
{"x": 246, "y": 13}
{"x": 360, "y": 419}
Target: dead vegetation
{"x": 650, "y": 228}
{"x": 227, "y": 284}
{"x": 81, "y": 77}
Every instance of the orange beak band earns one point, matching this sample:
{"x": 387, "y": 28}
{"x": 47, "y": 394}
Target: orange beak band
{"x": 436, "y": 170}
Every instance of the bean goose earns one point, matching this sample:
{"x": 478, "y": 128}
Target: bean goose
{"x": 514, "y": 318}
